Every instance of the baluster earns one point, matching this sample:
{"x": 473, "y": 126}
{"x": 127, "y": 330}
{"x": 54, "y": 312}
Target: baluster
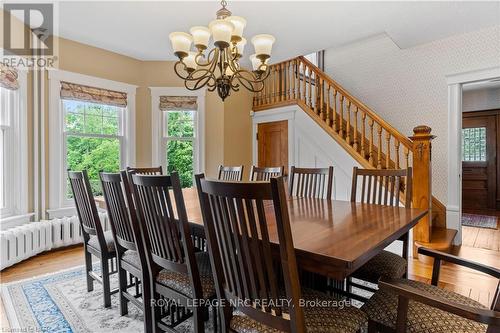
{"x": 348, "y": 122}
{"x": 299, "y": 65}
{"x": 406, "y": 152}
{"x": 321, "y": 99}
{"x": 371, "y": 158}
{"x": 356, "y": 146}
{"x": 341, "y": 120}
{"x": 388, "y": 153}
{"x": 328, "y": 110}
{"x": 379, "y": 147}
{"x": 304, "y": 79}
{"x": 267, "y": 96}
{"x": 310, "y": 88}
{"x": 276, "y": 83}
{"x": 292, "y": 79}
{"x": 334, "y": 112}
{"x": 396, "y": 150}
{"x": 363, "y": 119}
{"x": 282, "y": 88}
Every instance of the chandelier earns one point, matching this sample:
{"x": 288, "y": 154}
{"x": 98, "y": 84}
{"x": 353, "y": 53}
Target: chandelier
{"x": 220, "y": 68}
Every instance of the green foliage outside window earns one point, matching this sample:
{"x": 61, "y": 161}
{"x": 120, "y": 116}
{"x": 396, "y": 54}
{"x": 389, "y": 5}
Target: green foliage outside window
{"x": 93, "y": 154}
{"x": 180, "y": 132}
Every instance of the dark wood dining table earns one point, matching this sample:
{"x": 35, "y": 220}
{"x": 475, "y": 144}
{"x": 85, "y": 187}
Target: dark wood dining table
{"x": 332, "y": 237}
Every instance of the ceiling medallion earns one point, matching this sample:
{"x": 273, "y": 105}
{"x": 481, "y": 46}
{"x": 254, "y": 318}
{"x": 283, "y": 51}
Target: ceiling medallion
{"x": 220, "y": 68}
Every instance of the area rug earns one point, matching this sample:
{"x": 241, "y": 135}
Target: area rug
{"x": 59, "y": 302}
{"x": 480, "y": 221}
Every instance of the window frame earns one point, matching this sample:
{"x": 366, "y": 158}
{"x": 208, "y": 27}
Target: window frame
{"x": 16, "y": 164}
{"x": 59, "y": 205}
{"x": 159, "y": 127}
{"x": 67, "y": 134}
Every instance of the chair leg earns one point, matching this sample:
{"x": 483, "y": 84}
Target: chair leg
{"x": 105, "y": 282}
{"x": 198, "y": 319}
{"x": 155, "y": 310}
{"x": 372, "y": 327}
{"x": 122, "y": 285}
{"x": 147, "y": 307}
{"x": 88, "y": 269}
{"x": 406, "y": 239}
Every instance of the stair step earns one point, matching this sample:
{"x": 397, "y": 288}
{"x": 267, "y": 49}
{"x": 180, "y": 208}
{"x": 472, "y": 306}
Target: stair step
{"x": 441, "y": 240}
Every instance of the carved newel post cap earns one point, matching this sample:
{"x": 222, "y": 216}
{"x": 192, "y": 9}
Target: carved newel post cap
{"x": 422, "y": 129}
{"x": 422, "y": 132}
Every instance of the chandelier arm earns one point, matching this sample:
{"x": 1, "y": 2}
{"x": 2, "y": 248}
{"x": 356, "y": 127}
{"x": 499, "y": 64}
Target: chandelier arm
{"x": 253, "y": 86}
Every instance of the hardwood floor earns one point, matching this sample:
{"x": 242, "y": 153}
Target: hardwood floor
{"x": 461, "y": 280}
{"x": 482, "y": 237}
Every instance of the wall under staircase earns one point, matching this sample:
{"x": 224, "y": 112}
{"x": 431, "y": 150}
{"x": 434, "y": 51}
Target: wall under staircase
{"x": 356, "y": 130}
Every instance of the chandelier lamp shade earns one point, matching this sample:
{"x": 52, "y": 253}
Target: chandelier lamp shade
{"x": 219, "y": 68}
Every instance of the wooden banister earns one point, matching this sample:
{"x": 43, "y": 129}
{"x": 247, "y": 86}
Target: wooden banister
{"x": 371, "y": 140}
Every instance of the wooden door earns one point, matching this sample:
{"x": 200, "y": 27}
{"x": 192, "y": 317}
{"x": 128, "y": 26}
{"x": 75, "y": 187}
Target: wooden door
{"x": 479, "y": 161}
{"x": 273, "y": 144}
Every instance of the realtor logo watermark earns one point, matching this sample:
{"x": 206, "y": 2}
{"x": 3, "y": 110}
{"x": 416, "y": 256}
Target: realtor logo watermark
{"x": 28, "y": 35}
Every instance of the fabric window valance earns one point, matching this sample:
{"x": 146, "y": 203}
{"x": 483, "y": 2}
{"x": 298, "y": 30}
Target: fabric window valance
{"x": 8, "y": 77}
{"x": 172, "y": 103}
{"x": 79, "y": 92}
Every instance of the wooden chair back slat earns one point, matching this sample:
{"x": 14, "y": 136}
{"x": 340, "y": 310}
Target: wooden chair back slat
{"x": 265, "y": 174}
{"x": 85, "y": 205}
{"x": 311, "y": 182}
{"x": 237, "y": 231}
{"x": 382, "y": 187}
{"x": 230, "y": 173}
{"x": 166, "y": 232}
{"x": 113, "y": 190}
{"x": 152, "y": 171}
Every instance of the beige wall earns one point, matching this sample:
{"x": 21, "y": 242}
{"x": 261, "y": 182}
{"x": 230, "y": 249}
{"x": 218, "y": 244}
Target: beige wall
{"x": 227, "y": 125}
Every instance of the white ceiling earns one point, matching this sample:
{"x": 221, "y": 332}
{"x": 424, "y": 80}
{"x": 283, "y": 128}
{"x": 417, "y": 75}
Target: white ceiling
{"x": 140, "y": 29}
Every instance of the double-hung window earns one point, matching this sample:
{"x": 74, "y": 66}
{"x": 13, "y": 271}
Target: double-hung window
{"x": 13, "y": 149}
{"x": 179, "y": 139}
{"x": 93, "y": 139}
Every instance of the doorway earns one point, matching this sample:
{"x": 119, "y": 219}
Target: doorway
{"x": 480, "y": 154}
{"x": 272, "y": 147}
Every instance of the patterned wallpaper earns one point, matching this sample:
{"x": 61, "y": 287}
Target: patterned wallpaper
{"x": 407, "y": 87}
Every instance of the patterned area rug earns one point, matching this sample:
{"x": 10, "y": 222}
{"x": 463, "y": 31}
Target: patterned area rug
{"x": 59, "y": 302}
{"x": 480, "y": 221}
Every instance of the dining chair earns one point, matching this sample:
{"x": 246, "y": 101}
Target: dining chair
{"x": 231, "y": 173}
{"x": 265, "y": 174}
{"x": 95, "y": 241}
{"x": 176, "y": 271}
{"x": 382, "y": 187}
{"x": 411, "y": 306}
{"x": 311, "y": 182}
{"x": 131, "y": 260}
{"x": 249, "y": 286}
{"x": 146, "y": 170}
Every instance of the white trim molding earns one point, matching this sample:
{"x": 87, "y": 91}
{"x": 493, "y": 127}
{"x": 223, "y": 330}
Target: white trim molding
{"x": 455, "y": 85}
{"x": 58, "y": 205}
{"x": 17, "y": 178}
{"x": 157, "y": 154}
{"x": 278, "y": 114}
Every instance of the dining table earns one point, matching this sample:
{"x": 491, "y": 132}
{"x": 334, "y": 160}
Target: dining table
{"x": 332, "y": 238}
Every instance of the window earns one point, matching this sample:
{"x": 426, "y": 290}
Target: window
{"x": 179, "y": 144}
{"x": 7, "y": 140}
{"x": 93, "y": 137}
{"x": 317, "y": 59}
{"x": 13, "y": 149}
{"x": 474, "y": 144}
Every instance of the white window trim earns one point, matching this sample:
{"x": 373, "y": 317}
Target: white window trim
{"x": 19, "y": 164}
{"x": 58, "y": 204}
{"x": 158, "y": 155}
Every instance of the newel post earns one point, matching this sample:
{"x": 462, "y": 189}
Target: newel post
{"x": 422, "y": 180}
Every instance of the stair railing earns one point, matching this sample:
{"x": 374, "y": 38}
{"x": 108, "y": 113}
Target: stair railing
{"x": 372, "y": 141}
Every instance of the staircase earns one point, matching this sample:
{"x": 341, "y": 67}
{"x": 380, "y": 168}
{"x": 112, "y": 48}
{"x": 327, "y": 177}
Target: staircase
{"x": 369, "y": 139}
